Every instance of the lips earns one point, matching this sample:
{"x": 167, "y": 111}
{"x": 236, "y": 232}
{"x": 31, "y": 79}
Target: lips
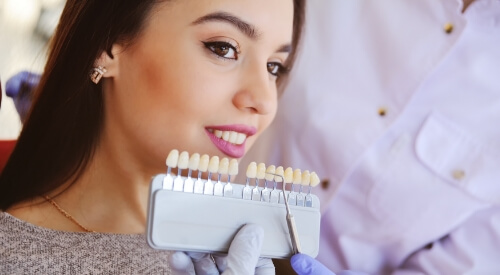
{"x": 230, "y": 139}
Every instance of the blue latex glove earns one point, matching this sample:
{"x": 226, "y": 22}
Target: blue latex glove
{"x": 306, "y": 265}
{"x": 242, "y": 258}
{"x": 20, "y": 88}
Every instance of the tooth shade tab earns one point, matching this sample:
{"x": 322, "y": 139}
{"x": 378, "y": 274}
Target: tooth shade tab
{"x": 203, "y": 163}
{"x": 279, "y": 173}
{"x": 252, "y": 170}
{"x": 233, "y": 167}
{"x": 306, "y": 178}
{"x": 297, "y": 176}
{"x": 194, "y": 161}
{"x": 172, "y": 158}
{"x": 223, "y": 166}
{"x": 288, "y": 175}
{"x": 261, "y": 171}
{"x": 213, "y": 165}
{"x": 270, "y": 171}
{"x": 314, "y": 179}
{"x": 183, "y": 160}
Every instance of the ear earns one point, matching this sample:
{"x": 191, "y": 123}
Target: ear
{"x": 110, "y": 61}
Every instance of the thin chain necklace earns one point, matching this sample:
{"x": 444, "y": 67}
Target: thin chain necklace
{"x": 67, "y": 215}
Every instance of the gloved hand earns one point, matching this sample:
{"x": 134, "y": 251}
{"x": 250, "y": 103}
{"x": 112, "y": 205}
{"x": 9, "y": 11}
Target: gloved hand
{"x": 242, "y": 258}
{"x": 306, "y": 265}
{"x": 20, "y": 88}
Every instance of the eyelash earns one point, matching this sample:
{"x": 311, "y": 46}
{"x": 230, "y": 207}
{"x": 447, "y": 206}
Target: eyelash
{"x": 214, "y": 45}
{"x": 282, "y": 70}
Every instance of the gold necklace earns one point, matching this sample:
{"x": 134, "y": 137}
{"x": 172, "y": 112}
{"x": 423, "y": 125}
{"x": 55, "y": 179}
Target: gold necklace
{"x": 67, "y": 215}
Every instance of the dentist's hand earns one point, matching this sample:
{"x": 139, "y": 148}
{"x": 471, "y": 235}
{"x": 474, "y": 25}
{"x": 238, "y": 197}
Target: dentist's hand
{"x": 243, "y": 257}
{"x": 306, "y": 265}
{"x": 20, "y": 88}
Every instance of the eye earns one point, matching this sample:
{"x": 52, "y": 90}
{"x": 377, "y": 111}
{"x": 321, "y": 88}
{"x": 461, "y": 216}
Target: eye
{"x": 276, "y": 69}
{"x": 223, "y": 49}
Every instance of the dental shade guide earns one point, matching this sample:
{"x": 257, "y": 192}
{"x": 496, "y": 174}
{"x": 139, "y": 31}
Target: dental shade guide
{"x": 201, "y": 214}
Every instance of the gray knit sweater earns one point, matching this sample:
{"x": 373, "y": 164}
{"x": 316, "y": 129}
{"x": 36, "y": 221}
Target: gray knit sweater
{"x": 29, "y": 249}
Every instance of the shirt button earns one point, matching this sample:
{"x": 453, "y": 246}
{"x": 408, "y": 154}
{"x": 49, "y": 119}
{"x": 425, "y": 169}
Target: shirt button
{"x": 448, "y": 27}
{"x": 382, "y": 111}
{"x": 458, "y": 174}
{"x": 325, "y": 184}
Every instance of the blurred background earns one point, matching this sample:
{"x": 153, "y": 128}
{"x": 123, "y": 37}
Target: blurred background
{"x": 25, "y": 29}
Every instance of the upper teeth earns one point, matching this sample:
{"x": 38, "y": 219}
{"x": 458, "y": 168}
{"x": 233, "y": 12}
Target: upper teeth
{"x": 231, "y": 136}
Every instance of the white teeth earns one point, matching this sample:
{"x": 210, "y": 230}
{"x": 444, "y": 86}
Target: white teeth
{"x": 225, "y": 135}
{"x": 231, "y": 136}
{"x": 241, "y": 138}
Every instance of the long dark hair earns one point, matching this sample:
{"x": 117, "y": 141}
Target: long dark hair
{"x": 63, "y": 128}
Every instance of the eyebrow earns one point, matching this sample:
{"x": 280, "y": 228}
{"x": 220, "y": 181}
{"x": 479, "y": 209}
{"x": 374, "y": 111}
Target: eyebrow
{"x": 285, "y": 48}
{"x": 246, "y": 28}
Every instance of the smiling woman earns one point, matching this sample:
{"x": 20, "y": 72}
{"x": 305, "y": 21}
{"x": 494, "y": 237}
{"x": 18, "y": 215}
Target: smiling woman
{"x": 125, "y": 83}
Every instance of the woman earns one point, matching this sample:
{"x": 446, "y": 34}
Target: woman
{"x": 164, "y": 75}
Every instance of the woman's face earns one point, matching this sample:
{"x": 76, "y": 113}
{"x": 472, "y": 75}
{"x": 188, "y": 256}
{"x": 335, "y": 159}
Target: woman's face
{"x": 201, "y": 77}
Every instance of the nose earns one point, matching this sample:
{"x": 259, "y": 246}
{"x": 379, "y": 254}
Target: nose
{"x": 257, "y": 92}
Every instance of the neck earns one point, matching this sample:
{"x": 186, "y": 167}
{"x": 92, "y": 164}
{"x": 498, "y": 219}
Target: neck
{"x": 111, "y": 195}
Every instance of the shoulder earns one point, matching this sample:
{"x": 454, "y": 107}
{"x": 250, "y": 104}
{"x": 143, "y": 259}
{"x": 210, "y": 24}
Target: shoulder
{"x": 25, "y": 247}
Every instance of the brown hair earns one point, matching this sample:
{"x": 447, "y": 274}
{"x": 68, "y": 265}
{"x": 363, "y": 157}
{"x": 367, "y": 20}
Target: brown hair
{"x": 63, "y": 128}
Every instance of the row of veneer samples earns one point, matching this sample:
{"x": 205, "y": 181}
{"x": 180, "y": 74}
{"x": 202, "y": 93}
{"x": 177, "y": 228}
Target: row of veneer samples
{"x": 270, "y": 176}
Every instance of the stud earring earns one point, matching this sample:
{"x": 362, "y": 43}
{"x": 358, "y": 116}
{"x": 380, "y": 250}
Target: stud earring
{"x": 97, "y": 74}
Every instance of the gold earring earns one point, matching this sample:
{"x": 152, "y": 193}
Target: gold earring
{"x": 97, "y": 74}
